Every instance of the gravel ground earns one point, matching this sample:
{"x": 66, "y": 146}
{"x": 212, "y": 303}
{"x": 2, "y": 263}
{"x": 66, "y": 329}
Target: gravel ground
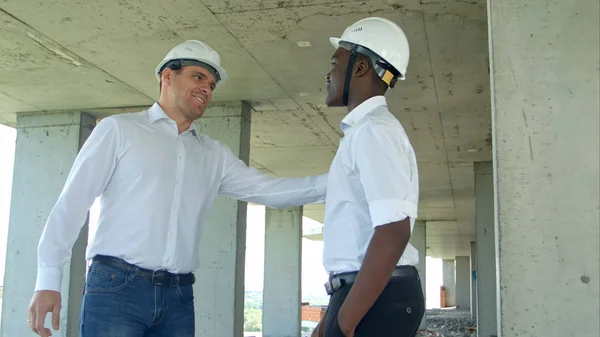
{"x": 449, "y": 323}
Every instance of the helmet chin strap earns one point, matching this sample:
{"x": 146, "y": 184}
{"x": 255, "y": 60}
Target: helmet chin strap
{"x": 385, "y": 71}
{"x": 351, "y": 61}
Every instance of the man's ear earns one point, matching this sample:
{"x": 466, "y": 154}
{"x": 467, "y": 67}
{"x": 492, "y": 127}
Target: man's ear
{"x": 167, "y": 76}
{"x": 361, "y": 67}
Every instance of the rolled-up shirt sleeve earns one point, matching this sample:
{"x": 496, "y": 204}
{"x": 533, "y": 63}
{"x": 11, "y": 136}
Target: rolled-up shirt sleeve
{"x": 249, "y": 184}
{"x": 87, "y": 179}
{"x": 380, "y": 154}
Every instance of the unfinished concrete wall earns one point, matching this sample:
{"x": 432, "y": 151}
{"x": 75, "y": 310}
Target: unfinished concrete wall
{"x": 283, "y": 270}
{"x": 51, "y": 142}
{"x": 487, "y": 322}
{"x": 219, "y": 284}
{"x": 544, "y": 63}
{"x": 449, "y": 281}
{"x": 463, "y": 282}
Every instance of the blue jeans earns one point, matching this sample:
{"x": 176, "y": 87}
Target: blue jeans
{"x": 120, "y": 303}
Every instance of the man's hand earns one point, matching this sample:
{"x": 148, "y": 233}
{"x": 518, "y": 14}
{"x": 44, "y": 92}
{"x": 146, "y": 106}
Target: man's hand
{"x": 43, "y": 302}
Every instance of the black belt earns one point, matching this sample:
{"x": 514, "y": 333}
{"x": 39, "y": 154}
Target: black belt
{"x": 157, "y": 277}
{"x": 339, "y": 280}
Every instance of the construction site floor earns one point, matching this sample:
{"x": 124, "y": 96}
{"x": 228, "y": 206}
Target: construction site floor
{"x": 449, "y": 323}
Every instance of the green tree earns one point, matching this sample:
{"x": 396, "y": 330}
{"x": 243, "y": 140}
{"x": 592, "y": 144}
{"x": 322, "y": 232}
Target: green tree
{"x": 252, "y": 320}
{"x": 253, "y": 300}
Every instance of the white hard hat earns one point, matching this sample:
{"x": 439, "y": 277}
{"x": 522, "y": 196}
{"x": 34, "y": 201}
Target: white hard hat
{"x": 383, "y": 37}
{"x": 194, "y": 50}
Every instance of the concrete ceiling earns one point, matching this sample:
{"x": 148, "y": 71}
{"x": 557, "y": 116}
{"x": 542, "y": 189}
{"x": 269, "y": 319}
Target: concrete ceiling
{"x": 74, "y": 55}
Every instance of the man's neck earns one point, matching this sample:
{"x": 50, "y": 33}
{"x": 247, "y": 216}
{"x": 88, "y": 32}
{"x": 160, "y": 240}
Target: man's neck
{"x": 183, "y": 124}
{"x": 360, "y": 99}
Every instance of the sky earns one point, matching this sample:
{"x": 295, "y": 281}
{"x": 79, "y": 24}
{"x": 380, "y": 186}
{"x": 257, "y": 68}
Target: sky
{"x": 313, "y": 273}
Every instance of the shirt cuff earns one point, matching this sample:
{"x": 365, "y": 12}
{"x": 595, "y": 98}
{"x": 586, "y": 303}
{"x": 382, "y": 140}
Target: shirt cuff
{"x": 49, "y": 278}
{"x": 387, "y": 211}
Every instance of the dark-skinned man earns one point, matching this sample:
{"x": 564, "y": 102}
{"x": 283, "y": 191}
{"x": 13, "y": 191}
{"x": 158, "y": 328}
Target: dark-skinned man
{"x": 373, "y": 192}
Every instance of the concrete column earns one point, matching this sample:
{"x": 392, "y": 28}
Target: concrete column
{"x": 449, "y": 282}
{"x": 283, "y": 270}
{"x": 219, "y": 288}
{"x": 463, "y": 282}
{"x": 544, "y": 64}
{"x": 486, "y": 257}
{"x": 418, "y": 240}
{"x": 46, "y": 147}
{"x": 473, "y": 277}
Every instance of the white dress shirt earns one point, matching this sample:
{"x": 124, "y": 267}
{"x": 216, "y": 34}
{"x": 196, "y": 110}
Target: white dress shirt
{"x": 156, "y": 187}
{"x": 373, "y": 181}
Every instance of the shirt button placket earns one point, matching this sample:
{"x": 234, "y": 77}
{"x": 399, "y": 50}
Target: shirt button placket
{"x": 171, "y": 244}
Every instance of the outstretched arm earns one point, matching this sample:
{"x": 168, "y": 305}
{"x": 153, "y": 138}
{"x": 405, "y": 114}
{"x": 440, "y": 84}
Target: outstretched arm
{"x": 248, "y": 184}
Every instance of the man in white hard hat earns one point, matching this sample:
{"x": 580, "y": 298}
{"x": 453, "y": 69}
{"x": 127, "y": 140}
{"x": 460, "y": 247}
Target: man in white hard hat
{"x": 157, "y": 177}
{"x": 372, "y": 193}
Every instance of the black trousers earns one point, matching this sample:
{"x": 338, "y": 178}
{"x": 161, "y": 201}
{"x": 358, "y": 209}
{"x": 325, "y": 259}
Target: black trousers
{"x": 396, "y": 313}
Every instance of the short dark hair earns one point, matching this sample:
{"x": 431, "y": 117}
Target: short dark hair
{"x": 172, "y": 66}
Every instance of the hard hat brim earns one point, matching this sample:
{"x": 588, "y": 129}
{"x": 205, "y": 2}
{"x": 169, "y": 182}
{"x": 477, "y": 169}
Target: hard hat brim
{"x": 335, "y": 42}
{"x": 218, "y": 68}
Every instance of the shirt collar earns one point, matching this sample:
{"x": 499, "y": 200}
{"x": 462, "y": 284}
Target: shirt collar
{"x": 156, "y": 113}
{"x": 361, "y": 111}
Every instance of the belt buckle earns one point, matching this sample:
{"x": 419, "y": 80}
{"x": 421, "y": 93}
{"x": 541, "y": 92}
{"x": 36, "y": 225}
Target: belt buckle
{"x": 158, "y": 277}
{"x": 333, "y": 285}
{"x": 336, "y": 283}
{"x": 328, "y": 288}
